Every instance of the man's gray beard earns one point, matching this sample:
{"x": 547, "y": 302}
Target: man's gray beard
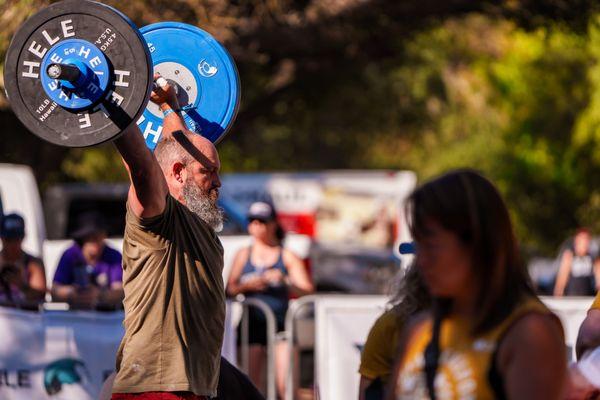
{"x": 204, "y": 205}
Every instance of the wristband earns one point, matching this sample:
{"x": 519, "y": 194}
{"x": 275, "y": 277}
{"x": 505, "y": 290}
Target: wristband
{"x": 169, "y": 111}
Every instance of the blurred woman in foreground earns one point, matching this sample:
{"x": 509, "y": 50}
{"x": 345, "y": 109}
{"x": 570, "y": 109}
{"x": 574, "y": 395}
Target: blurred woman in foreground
{"x": 487, "y": 336}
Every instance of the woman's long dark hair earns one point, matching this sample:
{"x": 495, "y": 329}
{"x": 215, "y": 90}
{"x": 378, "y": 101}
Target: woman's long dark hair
{"x": 279, "y": 233}
{"x": 441, "y": 307}
{"x": 468, "y": 205}
{"x": 411, "y": 295}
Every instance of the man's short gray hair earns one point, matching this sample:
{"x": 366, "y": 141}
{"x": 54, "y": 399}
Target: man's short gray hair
{"x": 168, "y": 152}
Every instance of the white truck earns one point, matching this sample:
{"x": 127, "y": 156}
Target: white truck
{"x": 19, "y": 193}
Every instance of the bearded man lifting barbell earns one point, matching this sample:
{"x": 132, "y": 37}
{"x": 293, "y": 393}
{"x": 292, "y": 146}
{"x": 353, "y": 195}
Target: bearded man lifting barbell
{"x": 172, "y": 263}
{"x": 79, "y": 73}
{"x": 178, "y": 196}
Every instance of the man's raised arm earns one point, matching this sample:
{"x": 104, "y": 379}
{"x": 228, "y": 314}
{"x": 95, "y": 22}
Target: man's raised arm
{"x": 148, "y": 191}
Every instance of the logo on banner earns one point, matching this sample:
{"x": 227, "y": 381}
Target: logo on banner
{"x": 66, "y": 377}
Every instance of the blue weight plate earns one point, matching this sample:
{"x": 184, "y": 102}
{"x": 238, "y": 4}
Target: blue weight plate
{"x": 207, "y": 81}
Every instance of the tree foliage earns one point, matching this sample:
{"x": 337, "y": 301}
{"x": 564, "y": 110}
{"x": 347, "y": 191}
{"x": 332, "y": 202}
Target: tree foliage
{"x": 490, "y": 95}
{"x": 511, "y": 88}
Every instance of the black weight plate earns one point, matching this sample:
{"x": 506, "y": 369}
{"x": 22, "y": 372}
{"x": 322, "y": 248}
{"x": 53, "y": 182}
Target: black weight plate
{"x": 123, "y": 47}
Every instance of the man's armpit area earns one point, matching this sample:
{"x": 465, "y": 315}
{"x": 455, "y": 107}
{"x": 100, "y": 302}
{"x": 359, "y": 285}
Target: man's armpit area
{"x": 157, "y": 224}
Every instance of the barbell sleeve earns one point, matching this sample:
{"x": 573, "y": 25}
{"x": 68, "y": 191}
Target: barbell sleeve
{"x": 66, "y": 72}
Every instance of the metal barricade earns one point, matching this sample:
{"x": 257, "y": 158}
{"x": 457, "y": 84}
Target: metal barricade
{"x": 271, "y": 330}
{"x": 293, "y": 310}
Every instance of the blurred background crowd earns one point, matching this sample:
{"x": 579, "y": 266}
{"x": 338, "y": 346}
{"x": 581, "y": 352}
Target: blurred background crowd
{"x": 391, "y": 93}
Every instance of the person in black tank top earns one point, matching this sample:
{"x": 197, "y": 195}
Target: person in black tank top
{"x": 268, "y": 272}
{"x": 575, "y": 276}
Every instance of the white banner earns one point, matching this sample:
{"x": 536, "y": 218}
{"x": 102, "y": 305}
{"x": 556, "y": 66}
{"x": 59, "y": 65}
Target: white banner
{"x": 572, "y": 312}
{"x": 67, "y": 354}
{"x": 63, "y": 355}
{"x": 343, "y": 323}
{"x": 56, "y": 355}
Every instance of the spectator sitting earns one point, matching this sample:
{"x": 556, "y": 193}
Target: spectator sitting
{"x": 22, "y": 276}
{"x": 89, "y": 273}
{"x": 577, "y": 268}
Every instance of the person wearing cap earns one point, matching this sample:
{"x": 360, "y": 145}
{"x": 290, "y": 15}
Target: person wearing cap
{"x": 22, "y": 276}
{"x": 89, "y": 273}
{"x": 268, "y": 272}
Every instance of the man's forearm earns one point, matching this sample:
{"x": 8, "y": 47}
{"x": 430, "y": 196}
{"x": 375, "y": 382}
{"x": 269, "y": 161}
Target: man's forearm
{"x": 164, "y": 95}
{"x": 145, "y": 173}
{"x": 172, "y": 122}
{"x": 134, "y": 151}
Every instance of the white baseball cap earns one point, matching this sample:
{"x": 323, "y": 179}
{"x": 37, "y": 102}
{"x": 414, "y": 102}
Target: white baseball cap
{"x": 262, "y": 211}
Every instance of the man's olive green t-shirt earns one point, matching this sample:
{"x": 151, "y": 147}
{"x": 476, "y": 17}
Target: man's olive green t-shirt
{"x": 174, "y": 304}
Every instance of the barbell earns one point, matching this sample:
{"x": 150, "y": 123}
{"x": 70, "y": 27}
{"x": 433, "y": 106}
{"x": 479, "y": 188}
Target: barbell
{"x": 79, "y": 72}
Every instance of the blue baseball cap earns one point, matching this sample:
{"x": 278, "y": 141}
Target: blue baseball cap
{"x": 12, "y": 227}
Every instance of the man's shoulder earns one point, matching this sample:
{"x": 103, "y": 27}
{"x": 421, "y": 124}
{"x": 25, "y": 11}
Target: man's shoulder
{"x": 153, "y": 224}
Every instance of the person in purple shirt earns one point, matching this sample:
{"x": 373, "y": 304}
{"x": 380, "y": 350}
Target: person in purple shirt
{"x": 89, "y": 273}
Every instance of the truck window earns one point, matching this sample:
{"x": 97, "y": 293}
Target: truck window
{"x": 64, "y": 203}
{"x": 112, "y": 211}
